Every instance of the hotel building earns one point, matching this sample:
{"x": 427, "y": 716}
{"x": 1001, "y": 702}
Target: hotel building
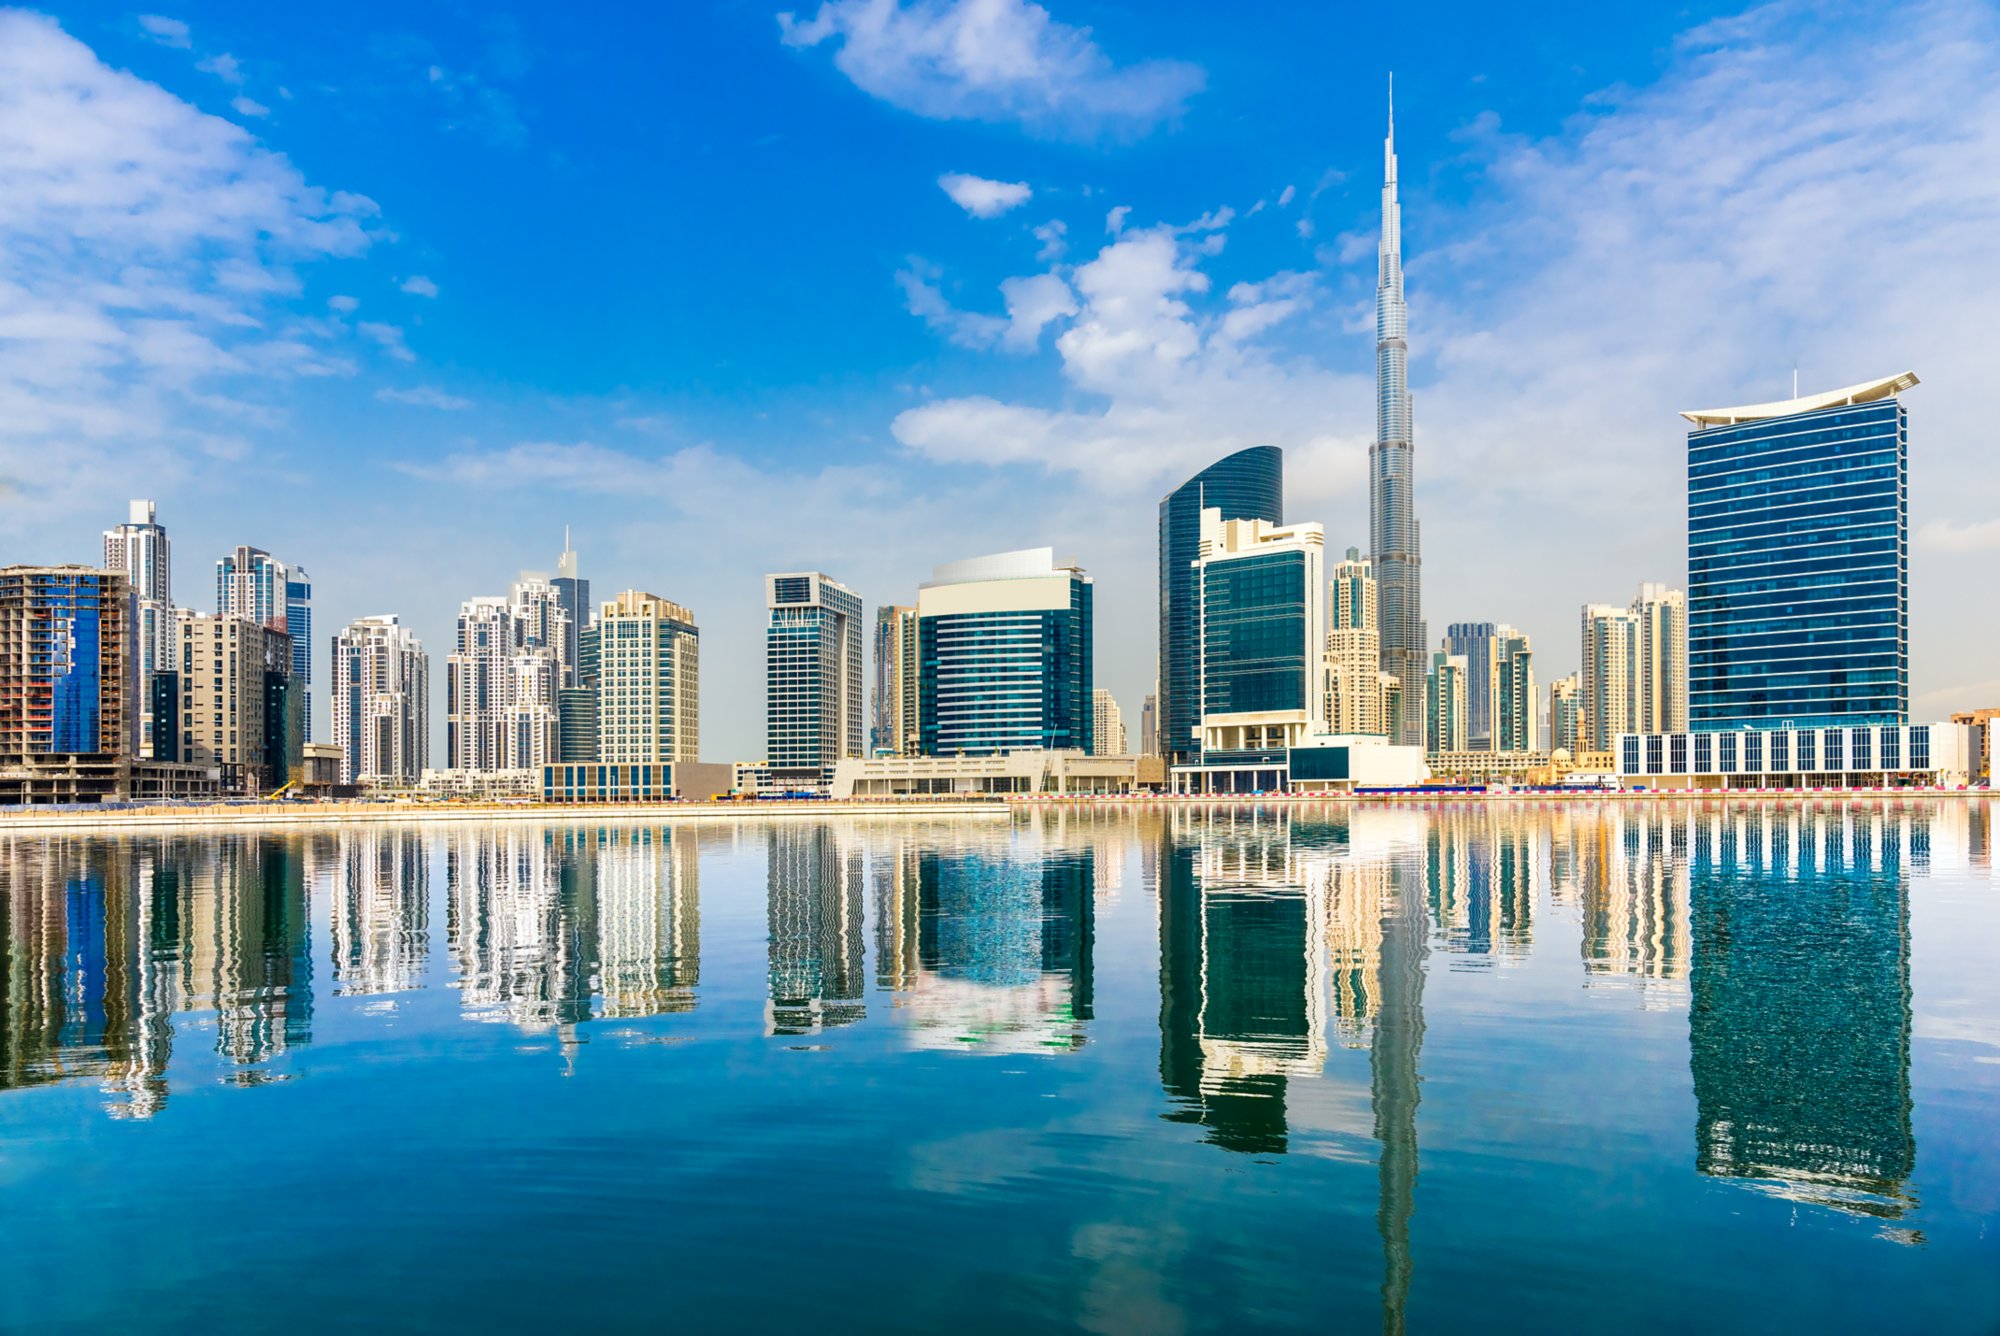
{"x": 1005, "y": 656}
{"x": 814, "y": 688}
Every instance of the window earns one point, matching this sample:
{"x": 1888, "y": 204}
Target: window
{"x": 1781, "y": 753}
{"x": 1704, "y": 753}
{"x": 1680, "y": 753}
{"x": 1807, "y": 760}
{"x": 1728, "y": 750}
{"x": 1654, "y": 761}
{"x": 1753, "y": 752}
{"x": 1892, "y": 748}
{"x": 1920, "y": 747}
{"x": 1859, "y": 756}
{"x": 1830, "y": 757}
{"x": 1631, "y": 755}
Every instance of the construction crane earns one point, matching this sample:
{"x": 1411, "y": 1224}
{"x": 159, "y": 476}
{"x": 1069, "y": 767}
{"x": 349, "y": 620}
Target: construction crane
{"x": 289, "y": 785}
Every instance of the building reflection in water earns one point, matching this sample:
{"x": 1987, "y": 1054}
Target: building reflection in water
{"x": 1799, "y": 1024}
{"x": 1481, "y": 877}
{"x": 989, "y": 940}
{"x": 381, "y": 911}
{"x": 1634, "y": 888}
{"x": 817, "y": 973}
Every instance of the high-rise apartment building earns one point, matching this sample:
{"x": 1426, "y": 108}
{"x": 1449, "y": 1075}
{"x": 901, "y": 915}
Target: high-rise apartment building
{"x": 502, "y": 679}
{"x": 1149, "y": 726}
{"x": 1261, "y": 613}
{"x": 1359, "y": 695}
{"x": 66, "y": 686}
{"x": 1250, "y": 485}
{"x": 139, "y": 548}
{"x": 1516, "y": 711}
{"x": 252, "y": 584}
{"x": 1798, "y": 561}
{"x": 1394, "y": 539}
{"x": 573, "y": 595}
{"x": 242, "y": 708}
{"x": 381, "y": 701}
{"x": 1005, "y": 656}
{"x": 1568, "y": 719}
{"x": 1107, "y": 729}
{"x": 1634, "y": 675}
{"x": 892, "y": 729}
{"x": 1446, "y": 726}
{"x": 813, "y": 688}
{"x": 1499, "y": 684}
{"x": 649, "y": 682}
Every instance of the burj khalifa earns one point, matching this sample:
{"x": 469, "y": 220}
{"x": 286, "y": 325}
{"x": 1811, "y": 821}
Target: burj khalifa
{"x": 1393, "y": 534}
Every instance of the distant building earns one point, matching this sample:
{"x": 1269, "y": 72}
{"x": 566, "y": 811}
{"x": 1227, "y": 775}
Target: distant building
{"x": 502, "y": 679}
{"x": 814, "y": 687}
{"x": 893, "y": 729}
{"x": 140, "y": 550}
{"x": 65, "y": 655}
{"x": 1981, "y": 722}
{"x": 649, "y": 681}
{"x": 576, "y": 705}
{"x": 1568, "y": 725}
{"x": 573, "y": 595}
{"x": 252, "y": 584}
{"x": 1798, "y": 561}
{"x": 241, "y": 705}
{"x": 1249, "y": 484}
{"x": 1149, "y": 726}
{"x": 1501, "y": 709}
{"x": 1845, "y": 757}
{"x": 1360, "y": 697}
{"x": 1634, "y": 675}
{"x": 1261, "y": 618}
{"x": 1107, "y": 728}
{"x": 1446, "y": 726}
{"x": 381, "y": 701}
{"x": 1005, "y": 656}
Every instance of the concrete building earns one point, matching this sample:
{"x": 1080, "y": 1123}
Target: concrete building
{"x": 252, "y": 584}
{"x": 68, "y": 699}
{"x": 381, "y": 701}
{"x": 649, "y": 682}
{"x": 1005, "y": 656}
{"x": 140, "y": 550}
{"x": 1316, "y": 763}
{"x": 1798, "y": 561}
{"x": 1981, "y": 724}
{"x": 1517, "y": 711}
{"x": 651, "y": 782}
{"x": 1854, "y": 756}
{"x": 1263, "y": 633}
{"x": 815, "y": 693}
{"x": 1149, "y": 726}
{"x": 1634, "y": 675}
{"x": 1446, "y": 727}
{"x": 573, "y": 596}
{"x": 1016, "y": 772}
{"x": 1360, "y": 697}
{"x": 1249, "y": 484}
{"x": 1107, "y": 728}
{"x": 893, "y": 729}
{"x": 242, "y": 707}
{"x": 1569, "y": 725}
{"x": 503, "y": 676}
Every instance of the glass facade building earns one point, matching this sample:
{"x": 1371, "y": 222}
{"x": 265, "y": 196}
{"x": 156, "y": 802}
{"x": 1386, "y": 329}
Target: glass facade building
{"x": 65, "y": 642}
{"x": 814, "y": 688}
{"x": 1256, "y": 655}
{"x": 1798, "y": 562}
{"x": 1249, "y": 484}
{"x": 1004, "y": 657}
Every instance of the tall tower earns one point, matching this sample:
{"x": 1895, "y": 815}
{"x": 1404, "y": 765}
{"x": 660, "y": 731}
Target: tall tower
{"x": 1393, "y": 535}
{"x": 813, "y": 685}
{"x": 140, "y": 549}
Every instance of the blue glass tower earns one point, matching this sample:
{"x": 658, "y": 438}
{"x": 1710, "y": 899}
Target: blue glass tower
{"x": 1798, "y": 562}
{"x": 1248, "y": 485}
{"x": 1004, "y": 656}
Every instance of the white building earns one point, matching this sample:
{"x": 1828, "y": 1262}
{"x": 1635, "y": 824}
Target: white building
{"x": 381, "y": 701}
{"x": 1107, "y": 731}
{"x": 649, "y": 681}
{"x": 501, "y": 704}
{"x": 140, "y": 549}
{"x": 1868, "y": 756}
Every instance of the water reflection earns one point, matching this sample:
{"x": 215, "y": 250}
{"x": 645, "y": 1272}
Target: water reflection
{"x": 815, "y": 887}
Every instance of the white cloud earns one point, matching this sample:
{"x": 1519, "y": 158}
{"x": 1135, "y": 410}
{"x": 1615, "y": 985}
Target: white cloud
{"x": 1285, "y": 199}
{"x": 1054, "y": 238}
{"x": 924, "y": 298}
{"x": 146, "y": 251}
{"x": 224, "y": 67}
{"x": 1951, "y": 536}
{"x": 1033, "y": 303}
{"x": 983, "y": 198}
{"x": 344, "y": 304}
{"x": 390, "y": 337}
{"x": 166, "y": 31}
{"x": 249, "y": 107}
{"x": 419, "y": 286}
{"x": 423, "y": 396}
{"x": 1114, "y": 222}
{"x": 993, "y": 60}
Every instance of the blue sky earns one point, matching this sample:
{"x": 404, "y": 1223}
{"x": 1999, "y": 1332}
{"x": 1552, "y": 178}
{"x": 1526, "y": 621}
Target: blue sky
{"x": 398, "y": 292}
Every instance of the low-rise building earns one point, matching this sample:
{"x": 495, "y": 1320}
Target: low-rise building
{"x": 1859, "y": 756}
{"x": 1015, "y": 772}
{"x": 1315, "y": 763}
{"x": 647, "y": 782}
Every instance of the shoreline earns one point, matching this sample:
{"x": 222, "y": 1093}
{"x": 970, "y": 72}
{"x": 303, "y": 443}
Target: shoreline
{"x": 32, "y": 820}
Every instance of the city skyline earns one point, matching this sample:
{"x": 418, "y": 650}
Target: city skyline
{"x": 530, "y": 453}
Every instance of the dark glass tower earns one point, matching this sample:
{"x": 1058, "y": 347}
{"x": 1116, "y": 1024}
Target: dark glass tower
{"x": 1248, "y": 485}
{"x": 1798, "y": 562}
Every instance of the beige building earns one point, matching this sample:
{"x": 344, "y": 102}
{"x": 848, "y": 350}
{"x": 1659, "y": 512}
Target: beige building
{"x": 1360, "y": 697}
{"x": 1230, "y": 607}
{"x": 1568, "y": 720}
{"x": 892, "y": 727}
{"x": 1445, "y": 705}
{"x": 1634, "y": 677}
{"x": 649, "y": 683}
{"x": 1107, "y": 729}
{"x": 240, "y": 707}
{"x": 381, "y": 701}
{"x": 1017, "y": 772}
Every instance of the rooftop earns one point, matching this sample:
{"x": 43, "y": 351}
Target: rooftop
{"x": 1865, "y": 393}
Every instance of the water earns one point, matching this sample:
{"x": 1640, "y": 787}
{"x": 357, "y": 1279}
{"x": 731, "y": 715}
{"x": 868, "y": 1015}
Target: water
{"x": 1576, "y": 1066}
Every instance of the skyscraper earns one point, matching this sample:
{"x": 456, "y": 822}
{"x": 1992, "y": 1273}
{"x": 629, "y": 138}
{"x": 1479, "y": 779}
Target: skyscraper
{"x": 813, "y": 691}
{"x": 1248, "y": 485}
{"x": 892, "y": 728}
{"x": 1445, "y": 727}
{"x": 1798, "y": 561}
{"x": 1500, "y": 706}
{"x": 1634, "y": 676}
{"x": 1393, "y": 534}
{"x": 242, "y": 706}
{"x": 1261, "y": 617}
{"x": 1149, "y": 726}
{"x": 649, "y": 682}
{"x": 1005, "y": 656}
{"x": 252, "y": 584}
{"x": 140, "y": 549}
{"x": 381, "y": 701}
{"x": 1107, "y": 729}
{"x": 503, "y": 676}
{"x": 1568, "y": 721}
{"x": 573, "y": 594}
{"x": 1517, "y": 713}
{"x": 1360, "y": 697}
{"x": 65, "y": 648}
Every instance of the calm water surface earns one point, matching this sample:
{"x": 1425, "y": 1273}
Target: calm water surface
{"x": 1727, "y": 1066}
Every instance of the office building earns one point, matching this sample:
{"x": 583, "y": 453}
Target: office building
{"x": 252, "y": 584}
{"x": 1359, "y": 695}
{"x": 1261, "y": 617}
{"x": 241, "y": 704}
{"x": 503, "y": 676}
{"x": 1501, "y": 711}
{"x": 381, "y": 701}
{"x": 1798, "y": 561}
{"x": 1569, "y": 727}
{"x": 576, "y": 705}
{"x": 1149, "y": 726}
{"x": 649, "y": 681}
{"x": 573, "y": 596}
{"x": 1107, "y": 728}
{"x": 1005, "y": 656}
{"x": 1634, "y": 675}
{"x": 893, "y": 727}
{"x": 1446, "y": 723}
{"x": 1394, "y": 538}
{"x": 140, "y": 550}
{"x": 1250, "y": 485}
{"x": 813, "y": 687}
{"x": 66, "y": 685}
